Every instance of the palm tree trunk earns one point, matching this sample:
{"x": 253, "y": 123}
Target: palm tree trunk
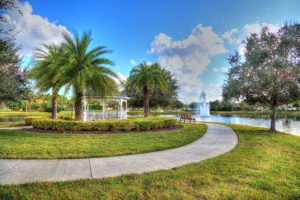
{"x": 146, "y": 101}
{"x": 78, "y": 106}
{"x": 54, "y": 106}
{"x": 273, "y": 120}
{"x": 54, "y": 101}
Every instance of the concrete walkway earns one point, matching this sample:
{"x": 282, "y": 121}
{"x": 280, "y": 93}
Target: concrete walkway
{"x": 217, "y": 140}
{"x": 16, "y": 128}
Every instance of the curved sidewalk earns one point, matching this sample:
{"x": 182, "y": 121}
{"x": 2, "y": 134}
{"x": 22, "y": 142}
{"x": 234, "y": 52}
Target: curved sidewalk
{"x": 217, "y": 140}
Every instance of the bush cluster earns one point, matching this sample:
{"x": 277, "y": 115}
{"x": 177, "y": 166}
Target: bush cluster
{"x": 64, "y": 117}
{"x": 29, "y": 120}
{"x": 139, "y": 124}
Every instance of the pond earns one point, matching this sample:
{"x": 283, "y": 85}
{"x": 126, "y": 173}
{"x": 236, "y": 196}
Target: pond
{"x": 12, "y": 118}
{"x": 285, "y": 124}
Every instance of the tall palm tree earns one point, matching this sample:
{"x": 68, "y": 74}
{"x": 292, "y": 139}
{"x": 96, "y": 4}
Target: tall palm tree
{"x": 47, "y": 71}
{"x": 146, "y": 78}
{"x": 86, "y": 71}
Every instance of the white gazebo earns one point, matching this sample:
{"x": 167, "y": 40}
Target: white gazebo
{"x": 101, "y": 108}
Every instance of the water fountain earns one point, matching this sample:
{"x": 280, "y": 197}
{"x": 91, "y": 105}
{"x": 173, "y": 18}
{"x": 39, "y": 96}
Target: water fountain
{"x": 203, "y": 107}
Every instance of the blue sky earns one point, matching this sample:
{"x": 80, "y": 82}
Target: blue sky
{"x": 191, "y": 38}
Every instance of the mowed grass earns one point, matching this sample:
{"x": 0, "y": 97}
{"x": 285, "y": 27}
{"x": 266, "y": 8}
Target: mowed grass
{"x": 262, "y": 166}
{"x": 11, "y": 124}
{"x": 25, "y": 144}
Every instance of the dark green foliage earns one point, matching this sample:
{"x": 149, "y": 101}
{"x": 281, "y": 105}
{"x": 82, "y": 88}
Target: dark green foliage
{"x": 47, "y": 107}
{"x": 140, "y": 124}
{"x": 158, "y": 98}
{"x": 193, "y": 105}
{"x": 13, "y": 84}
{"x": 221, "y": 106}
{"x": 146, "y": 79}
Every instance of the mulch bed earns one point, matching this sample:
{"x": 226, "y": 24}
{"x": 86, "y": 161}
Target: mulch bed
{"x": 99, "y": 132}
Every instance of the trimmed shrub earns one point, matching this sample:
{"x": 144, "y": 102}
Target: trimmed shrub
{"x": 29, "y": 120}
{"x": 64, "y": 117}
{"x": 140, "y": 124}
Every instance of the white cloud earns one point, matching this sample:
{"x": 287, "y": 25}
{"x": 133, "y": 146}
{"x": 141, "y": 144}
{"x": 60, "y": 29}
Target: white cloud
{"x": 132, "y": 61}
{"x": 188, "y": 58}
{"x": 122, "y": 79}
{"x": 236, "y": 37}
{"x": 230, "y": 36}
{"x": 213, "y": 92}
{"x": 122, "y": 76}
{"x": 221, "y": 69}
{"x": 256, "y": 28}
{"x": 33, "y": 30}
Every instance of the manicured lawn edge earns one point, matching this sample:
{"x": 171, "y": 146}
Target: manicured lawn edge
{"x": 262, "y": 166}
{"x": 17, "y": 144}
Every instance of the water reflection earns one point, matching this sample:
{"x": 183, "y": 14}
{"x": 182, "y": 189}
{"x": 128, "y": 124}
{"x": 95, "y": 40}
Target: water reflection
{"x": 14, "y": 118}
{"x": 285, "y": 124}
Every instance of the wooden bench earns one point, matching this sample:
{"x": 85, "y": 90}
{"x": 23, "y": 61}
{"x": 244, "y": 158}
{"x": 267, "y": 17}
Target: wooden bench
{"x": 187, "y": 117}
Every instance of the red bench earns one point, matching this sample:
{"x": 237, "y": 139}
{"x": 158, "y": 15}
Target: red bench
{"x": 187, "y": 117}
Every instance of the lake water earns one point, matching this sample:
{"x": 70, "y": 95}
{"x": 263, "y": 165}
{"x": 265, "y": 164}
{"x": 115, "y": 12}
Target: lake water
{"x": 12, "y": 118}
{"x": 285, "y": 124}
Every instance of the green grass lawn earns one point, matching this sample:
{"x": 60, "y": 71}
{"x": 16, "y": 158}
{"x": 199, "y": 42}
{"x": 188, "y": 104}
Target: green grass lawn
{"x": 262, "y": 166}
{"x": 11, "y": 124}
{"x": 25, "y": 144}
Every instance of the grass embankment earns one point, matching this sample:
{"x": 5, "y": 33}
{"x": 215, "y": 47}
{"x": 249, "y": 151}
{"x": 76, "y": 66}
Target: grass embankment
{"x": 262, "y": 166}
{"x": 11, "y": 124}
{"x": 25, "y": 144}
{"x": 254, "y": 112}
{"x": 22, "y": 113}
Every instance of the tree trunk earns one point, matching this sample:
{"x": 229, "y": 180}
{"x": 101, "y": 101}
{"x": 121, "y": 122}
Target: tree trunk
{"x": 273, "y": 120}
{"x": 30, "y": 103}
{"x": 78, "y": 106}
{"x": 146, "y": 101}
{"x": 54, "y": 106}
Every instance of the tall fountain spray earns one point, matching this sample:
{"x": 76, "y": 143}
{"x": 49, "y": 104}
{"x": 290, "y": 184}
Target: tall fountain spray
{"x": 203, "y": 107}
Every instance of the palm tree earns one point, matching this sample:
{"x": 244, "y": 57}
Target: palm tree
{"x": 146, "y": 78}
{"x": 47, "y": 71}
{"x": 86, "y": 71}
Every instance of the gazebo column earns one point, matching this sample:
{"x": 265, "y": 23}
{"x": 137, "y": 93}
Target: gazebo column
{"x": 120, "y": 108}
{"x": 126, "y": 108}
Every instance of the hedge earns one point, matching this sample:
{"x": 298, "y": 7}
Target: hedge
{"x": 139, "y": 124}
{"x": 64, "y": 117}
{"x": 29, "y": 120}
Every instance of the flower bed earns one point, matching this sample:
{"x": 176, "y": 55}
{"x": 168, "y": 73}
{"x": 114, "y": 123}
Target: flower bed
{"x": 137, "y": 124}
